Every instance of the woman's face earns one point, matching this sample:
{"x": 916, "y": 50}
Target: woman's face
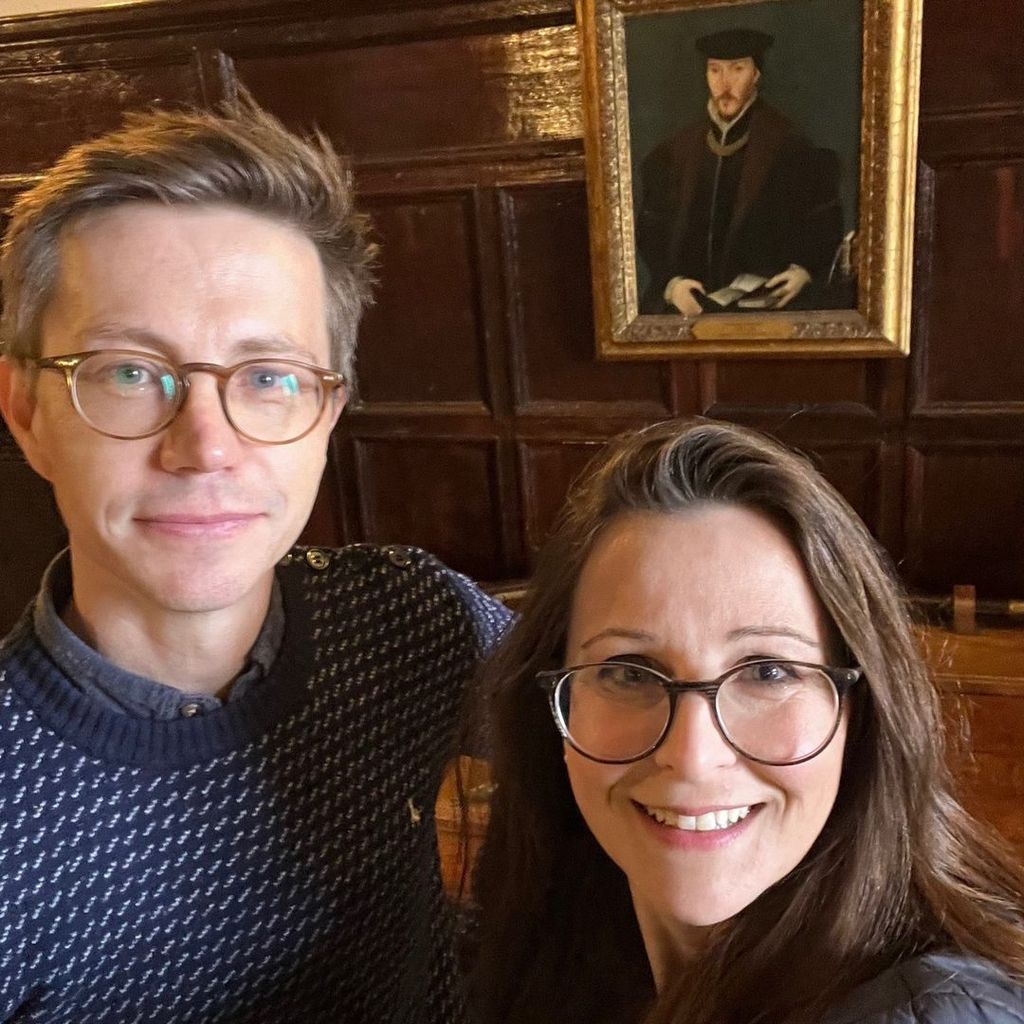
{"x": 693, "y": 595}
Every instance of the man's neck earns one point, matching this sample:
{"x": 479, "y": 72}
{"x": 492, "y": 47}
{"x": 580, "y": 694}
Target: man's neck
{"x": 196, "y": 652}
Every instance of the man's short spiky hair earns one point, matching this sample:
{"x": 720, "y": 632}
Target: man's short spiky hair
{"x": 241, "y": 156}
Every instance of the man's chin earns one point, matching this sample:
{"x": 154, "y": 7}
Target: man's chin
{"x": 199, "y": 597}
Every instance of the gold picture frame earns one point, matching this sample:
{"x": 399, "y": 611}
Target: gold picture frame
{"x": 861, "y": 305}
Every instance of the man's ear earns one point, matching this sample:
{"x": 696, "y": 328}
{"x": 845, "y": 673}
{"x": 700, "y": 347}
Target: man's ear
{"x": 339, "y": 399}
{"x": 18, "y": 407}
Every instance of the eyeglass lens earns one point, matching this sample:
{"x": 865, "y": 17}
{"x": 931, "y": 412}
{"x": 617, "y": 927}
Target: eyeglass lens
{"x": 132, "y": 395}
{"x": 778, "y": 712}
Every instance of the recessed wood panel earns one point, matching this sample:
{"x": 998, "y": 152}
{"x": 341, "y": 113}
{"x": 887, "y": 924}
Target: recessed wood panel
{"x": 975, "y": 306}
{"x": 441, "y": 495}
{"x": 779, "y": 383}
{"x": 972, "y": 54}
{"x": 42, "y": 114}
{"x": 547, "y": 266}
{"x": 965, "y": 509}
{"x": 430, "y": 94}
{"x": 423, "y": 341}
{"x": 546, "y": 471}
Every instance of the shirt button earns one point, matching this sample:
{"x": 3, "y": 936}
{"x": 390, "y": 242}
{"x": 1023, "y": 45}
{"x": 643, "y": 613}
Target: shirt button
{"x": 399, "y": 557}
{"x": 190, "y": 710}
{"x": 316, "y": 559}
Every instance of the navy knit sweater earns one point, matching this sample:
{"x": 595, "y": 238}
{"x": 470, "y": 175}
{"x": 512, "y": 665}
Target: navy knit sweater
{"x": 274, "y": 860}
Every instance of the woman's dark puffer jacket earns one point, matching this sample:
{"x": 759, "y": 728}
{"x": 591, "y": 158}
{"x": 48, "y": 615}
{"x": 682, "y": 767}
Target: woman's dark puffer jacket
{"x": 935, "y": 989}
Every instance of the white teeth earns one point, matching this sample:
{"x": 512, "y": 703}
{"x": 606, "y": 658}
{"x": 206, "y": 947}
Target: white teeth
{"x": 710, "y": 821}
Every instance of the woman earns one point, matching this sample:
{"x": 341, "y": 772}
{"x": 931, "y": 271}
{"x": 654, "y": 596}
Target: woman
{"x": 777, "y": 844}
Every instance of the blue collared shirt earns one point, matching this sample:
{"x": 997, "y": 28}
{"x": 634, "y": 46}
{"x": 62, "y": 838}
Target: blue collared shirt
{"x": 124, "y": 691}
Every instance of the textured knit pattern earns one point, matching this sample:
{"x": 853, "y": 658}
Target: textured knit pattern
{"x": 274, "y": 860}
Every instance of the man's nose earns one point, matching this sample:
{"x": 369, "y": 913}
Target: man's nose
{"x": 200, "y": 439}
{"x": 694, "y": 747}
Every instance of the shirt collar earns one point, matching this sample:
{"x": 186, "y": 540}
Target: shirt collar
{"x": 124, "y": 691}
{"x": 726, "y": 126}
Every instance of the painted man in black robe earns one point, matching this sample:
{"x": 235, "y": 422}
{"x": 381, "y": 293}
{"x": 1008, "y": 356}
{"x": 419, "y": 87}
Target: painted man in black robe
{"x": 740, "y": 192}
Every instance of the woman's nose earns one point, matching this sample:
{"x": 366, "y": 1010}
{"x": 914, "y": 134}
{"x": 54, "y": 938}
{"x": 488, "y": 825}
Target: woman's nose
{"x": 694, "y": 745}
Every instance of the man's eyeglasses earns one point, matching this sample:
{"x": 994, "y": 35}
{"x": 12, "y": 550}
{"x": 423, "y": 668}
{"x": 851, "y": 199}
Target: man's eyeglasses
{"x": 772, "y": 712}
{"x": 129, "y": 395}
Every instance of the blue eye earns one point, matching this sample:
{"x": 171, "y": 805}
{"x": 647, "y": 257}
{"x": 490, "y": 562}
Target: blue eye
{"x": 265, "y": 379}
{"x": 137, "y": 376}
{"x": 130, "y": 375}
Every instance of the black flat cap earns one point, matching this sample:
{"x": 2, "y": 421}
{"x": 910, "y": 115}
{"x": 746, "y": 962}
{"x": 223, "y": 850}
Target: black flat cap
{"x": 734, "y": 44}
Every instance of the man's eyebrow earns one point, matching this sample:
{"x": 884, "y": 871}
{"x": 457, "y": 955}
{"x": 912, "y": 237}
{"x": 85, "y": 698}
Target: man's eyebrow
{"x": 620, "y": 634}
{"x": 772, "y": 631}
{"x": 245, "y": 348}
{"x": 272, "y": 345}
{"x": 114, "y": 331}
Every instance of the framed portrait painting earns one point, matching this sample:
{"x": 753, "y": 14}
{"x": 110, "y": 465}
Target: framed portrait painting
{"x": 751, "y": 175}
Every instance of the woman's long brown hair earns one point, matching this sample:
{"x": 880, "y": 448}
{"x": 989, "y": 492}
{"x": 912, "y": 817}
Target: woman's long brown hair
{"x": 899, "y": 868}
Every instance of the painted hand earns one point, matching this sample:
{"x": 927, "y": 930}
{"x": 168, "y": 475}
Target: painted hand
{"x": 788, "y": 285}
{"x": 680, "y": 293}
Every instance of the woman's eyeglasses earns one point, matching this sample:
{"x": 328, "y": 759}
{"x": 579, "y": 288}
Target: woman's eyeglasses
{"x": 772, "y": 712}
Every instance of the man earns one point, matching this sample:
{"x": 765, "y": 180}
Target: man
{"x": 219, "y": 754}
{"x": 740, "y": 192}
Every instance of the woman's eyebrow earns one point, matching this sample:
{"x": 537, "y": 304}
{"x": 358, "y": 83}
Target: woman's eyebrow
{"x": 778, "y": 631}
{"x": 620, "y": 634}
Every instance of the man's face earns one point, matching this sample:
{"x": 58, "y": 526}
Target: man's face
{"x": 194, "y": 518}
{"x": 731, "y": 84}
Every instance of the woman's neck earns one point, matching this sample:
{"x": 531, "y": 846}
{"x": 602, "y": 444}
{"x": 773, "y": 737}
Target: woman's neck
{"x": 668, "y": 944}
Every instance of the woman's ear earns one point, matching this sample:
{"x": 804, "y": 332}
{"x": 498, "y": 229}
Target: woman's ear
{"x": 18, "y": 407}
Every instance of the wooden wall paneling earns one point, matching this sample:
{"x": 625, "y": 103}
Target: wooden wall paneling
{"x": 687, "y": 377}
{"x": 423, "y": 339}
{"x": 977, "y": 288}
{"x": 495, "y": 300}
{"x": 971, "y": 54}
{"x": 550, "y": 312}
{"x": 891, "y": 524}
{"x": 428, "y": 95}
{"x": 44, "y": 112}
{"x": 440, "y": 493}
{"x": 547, "y": 468}
{"x": 793, "y": 383}
{"x": 481, "y": 99}
{"x": 964, "y": 506}
{"x": 284, "y": 20}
